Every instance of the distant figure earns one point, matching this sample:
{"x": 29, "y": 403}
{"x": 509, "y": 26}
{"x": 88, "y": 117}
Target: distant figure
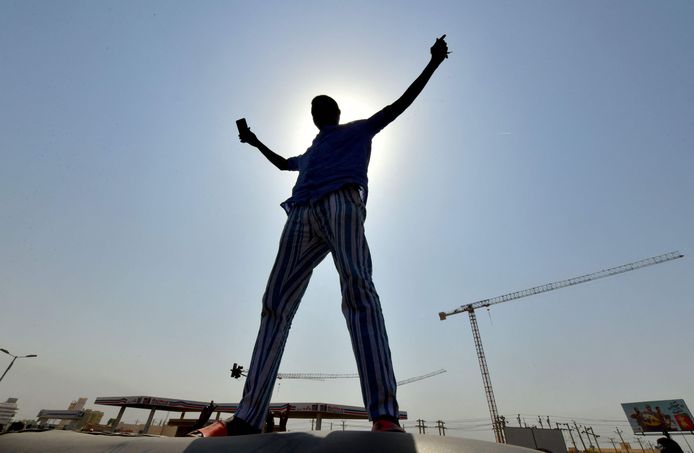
{"x": 667, "y": 445}
{"x": 326, "y": 214}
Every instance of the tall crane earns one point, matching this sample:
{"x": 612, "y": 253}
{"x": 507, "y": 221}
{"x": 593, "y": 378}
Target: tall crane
{"x": 238, "y": 371}
{"x": 322, "y": 376}
{"x": 497, "y": 423}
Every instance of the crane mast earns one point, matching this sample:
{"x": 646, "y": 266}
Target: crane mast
{"x": 470, "y": 309}
{"x": 486, "y": 380}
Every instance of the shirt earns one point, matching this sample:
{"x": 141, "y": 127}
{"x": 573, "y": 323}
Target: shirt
{"x": 338, "y": 156}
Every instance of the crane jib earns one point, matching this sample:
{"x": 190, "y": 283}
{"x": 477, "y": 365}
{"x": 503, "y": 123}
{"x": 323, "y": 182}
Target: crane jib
{"x": 563, "y": 283}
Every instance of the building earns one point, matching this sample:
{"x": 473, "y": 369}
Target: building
{"x": 8, "y": 409}
{"x": 74, "y": 406}
{"x": 77, "y": 405}
{"x": 75, "y": 417}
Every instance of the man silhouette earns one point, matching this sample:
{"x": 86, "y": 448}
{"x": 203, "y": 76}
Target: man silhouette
{"x": 326, "y": 214}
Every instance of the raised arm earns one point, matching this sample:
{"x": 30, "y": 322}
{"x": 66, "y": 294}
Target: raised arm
{"x": 439, "y": 52}
{"x": 278, "y": 161}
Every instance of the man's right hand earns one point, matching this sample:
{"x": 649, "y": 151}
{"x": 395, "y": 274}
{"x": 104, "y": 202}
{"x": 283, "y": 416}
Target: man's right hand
{"x": 249, "y": 137}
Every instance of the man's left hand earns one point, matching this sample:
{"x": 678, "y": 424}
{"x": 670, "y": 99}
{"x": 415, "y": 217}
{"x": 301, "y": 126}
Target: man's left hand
{"x": 439, "y": 51}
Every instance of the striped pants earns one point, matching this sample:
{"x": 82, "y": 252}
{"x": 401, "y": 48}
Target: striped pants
{"x": 333, "y": 224}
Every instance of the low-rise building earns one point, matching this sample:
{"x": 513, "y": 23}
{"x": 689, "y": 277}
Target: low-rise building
{"x": 8, "y": 409}
{"x": 74, "y": 418}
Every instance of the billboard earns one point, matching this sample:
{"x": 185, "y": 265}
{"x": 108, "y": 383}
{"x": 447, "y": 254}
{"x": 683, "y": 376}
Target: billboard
{"x": 658, "y": 416}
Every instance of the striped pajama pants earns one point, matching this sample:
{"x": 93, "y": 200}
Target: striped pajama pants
{"x": 334, "y": 224}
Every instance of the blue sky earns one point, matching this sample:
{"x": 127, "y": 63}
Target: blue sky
{"x": 137, "y": 233}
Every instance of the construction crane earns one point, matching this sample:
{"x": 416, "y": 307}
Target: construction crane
{"x": 497, "y": 422}
{"x": 321, "y": 376}
{"x": 237, "y": 371}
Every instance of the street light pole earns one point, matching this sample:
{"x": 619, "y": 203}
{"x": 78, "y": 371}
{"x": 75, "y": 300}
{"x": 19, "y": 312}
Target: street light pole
{"x": 15, "y": 357}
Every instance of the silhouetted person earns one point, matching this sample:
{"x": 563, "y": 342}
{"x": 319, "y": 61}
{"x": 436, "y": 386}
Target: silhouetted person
{"x": 667, "y": 445}
{"x": 326, "y": 214}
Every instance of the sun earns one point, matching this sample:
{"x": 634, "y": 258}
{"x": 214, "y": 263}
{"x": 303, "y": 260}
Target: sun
{"x": 353, "y": 107}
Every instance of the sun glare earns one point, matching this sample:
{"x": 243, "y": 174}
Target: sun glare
{"x": 353, "y": 107}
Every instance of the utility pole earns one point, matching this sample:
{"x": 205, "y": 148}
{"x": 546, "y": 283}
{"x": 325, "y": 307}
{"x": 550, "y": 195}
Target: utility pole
{"x": 591, "y": 447}
{"x": 613, "y": 444}
{"x": 638, "y": 439}
{"x": 420, "y": 425}
{"x": 578, "y": 431}
{"x": 441, "y": 425}
{"x": 539, "y": 419}
{"x": 619, "y": 433}
{"x": 595, "y": 436}
{"x": 519, "y": 421}
{"x": 568, "y": 428}
{"x": 687, "y": 442}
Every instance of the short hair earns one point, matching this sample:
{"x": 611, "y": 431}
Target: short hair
{"x": 324, "y": 104}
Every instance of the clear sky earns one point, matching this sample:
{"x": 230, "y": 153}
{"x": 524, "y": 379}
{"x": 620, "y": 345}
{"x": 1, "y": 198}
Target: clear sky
{"x": 137, "y": 233}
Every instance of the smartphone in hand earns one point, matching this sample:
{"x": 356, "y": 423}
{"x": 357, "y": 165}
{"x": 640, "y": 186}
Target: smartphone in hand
{"x": 242, "y": 126}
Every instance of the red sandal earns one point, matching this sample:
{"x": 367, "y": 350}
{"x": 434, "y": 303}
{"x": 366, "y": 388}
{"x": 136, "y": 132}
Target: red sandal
{"x": 386, "y": 426}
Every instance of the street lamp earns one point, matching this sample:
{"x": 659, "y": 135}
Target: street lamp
{"x": 15, "y": 358}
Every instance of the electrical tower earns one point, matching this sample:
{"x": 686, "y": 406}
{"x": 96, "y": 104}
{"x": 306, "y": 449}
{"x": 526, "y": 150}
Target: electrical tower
{"x": 470, "y": 309}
